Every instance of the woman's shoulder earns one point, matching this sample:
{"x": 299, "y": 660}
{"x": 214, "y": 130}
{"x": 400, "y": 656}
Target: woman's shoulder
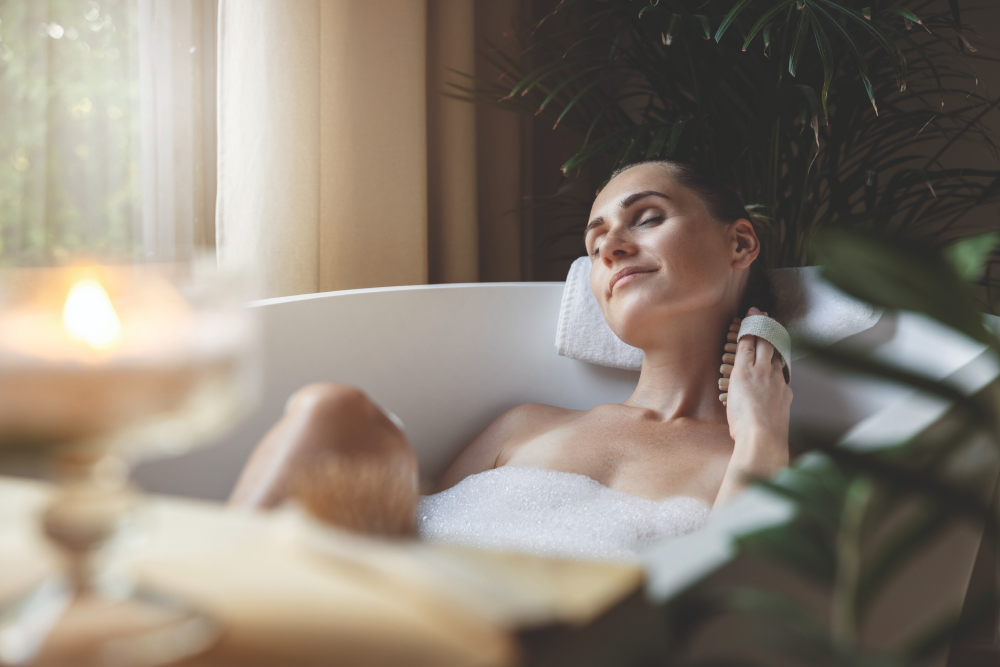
{"x": 528, "y": 415}
{"x": 531, "y": 419}
{"x": 507, "y": 433}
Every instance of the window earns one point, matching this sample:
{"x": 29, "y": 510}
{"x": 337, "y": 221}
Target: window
{"x": 107, "y": 117}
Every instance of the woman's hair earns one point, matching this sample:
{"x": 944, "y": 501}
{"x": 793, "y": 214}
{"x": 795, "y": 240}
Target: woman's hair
{"x": 725, "y": 205}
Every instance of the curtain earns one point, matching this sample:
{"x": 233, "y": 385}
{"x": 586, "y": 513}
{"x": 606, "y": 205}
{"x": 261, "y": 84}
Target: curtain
{"x": 504, "y": 154}
{"x": 107, "y": 113}
{"x": 177, "y": 75}
{"x": 342, "y": 164}
{"x": 69, "y": 143}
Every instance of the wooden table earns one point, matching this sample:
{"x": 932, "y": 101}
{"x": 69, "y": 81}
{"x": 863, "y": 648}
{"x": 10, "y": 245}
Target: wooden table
{"x": 292, "y": 593}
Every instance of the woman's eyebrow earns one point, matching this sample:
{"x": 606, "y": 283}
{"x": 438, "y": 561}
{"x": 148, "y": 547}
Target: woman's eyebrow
{"x": 636, "y": 196}
{"x": 596, "y": 222}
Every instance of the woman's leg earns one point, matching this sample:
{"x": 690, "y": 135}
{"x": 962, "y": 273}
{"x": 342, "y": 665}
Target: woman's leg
{"x": 339, "y": 455}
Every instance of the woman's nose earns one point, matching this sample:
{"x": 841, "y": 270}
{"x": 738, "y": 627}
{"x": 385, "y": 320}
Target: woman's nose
{"x": 617, "y": 244}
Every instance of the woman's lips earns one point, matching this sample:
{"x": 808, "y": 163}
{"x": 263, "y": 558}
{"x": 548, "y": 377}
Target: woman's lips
{"x": 627, "y": 275}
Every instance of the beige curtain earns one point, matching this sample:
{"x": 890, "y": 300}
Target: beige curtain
{"x": 341, "y": 164}
{"x": 504, "y": 155}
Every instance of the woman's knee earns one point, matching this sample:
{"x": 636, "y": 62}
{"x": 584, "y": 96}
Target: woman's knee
{"x": 344, "y": 418}
{"x": 332, "y": 402}
{"x": 326, "y": 396}
{"x": 330, "y": 429}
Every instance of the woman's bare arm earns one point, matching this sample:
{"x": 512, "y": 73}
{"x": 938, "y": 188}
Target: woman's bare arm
{"x": 758, "y": 411}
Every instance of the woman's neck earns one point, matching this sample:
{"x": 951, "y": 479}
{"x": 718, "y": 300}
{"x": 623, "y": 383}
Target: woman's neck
{"x": 680, "y": 373}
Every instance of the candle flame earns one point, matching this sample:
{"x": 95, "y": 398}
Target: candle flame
{"x": 89, "y": 316}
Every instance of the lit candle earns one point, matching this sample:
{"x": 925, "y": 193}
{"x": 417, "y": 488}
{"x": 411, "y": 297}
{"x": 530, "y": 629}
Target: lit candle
{"x": 98, "y": 365}
{"x": 95, "y": 355}
{"x": 89, "y": 316}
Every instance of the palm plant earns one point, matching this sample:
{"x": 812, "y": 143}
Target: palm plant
{"x": 820, "y": 112}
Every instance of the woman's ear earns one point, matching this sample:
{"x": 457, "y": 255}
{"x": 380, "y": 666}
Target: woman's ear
{"x": 745, "y": 244}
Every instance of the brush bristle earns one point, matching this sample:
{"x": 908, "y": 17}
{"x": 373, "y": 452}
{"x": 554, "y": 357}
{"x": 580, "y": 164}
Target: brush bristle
{"x": 365, "y": 495}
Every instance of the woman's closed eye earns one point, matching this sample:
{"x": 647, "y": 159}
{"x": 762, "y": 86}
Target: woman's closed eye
{"x": 652, "y": 220}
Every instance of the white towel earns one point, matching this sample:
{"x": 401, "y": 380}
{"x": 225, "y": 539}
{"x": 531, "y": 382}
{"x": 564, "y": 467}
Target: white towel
{"x": 808, "y": 306}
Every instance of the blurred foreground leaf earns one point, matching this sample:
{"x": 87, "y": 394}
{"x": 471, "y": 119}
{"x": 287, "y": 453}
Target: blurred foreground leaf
{"x": 969, "y": 255}
{"x": 903, "y": 273}
{"x": 916, "y": 488}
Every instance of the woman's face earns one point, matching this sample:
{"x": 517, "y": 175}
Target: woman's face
{"x": 657, "y": 253}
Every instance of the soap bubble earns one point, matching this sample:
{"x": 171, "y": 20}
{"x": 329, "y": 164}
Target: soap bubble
{"x": 553, "y": 513}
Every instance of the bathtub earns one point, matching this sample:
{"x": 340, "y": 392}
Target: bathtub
{"x": 448, "y": 359}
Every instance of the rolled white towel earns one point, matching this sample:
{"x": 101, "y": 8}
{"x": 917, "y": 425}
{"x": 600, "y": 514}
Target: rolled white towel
{"x": 582, "y": 332}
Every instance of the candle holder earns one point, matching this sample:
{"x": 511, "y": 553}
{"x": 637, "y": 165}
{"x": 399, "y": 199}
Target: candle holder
{"x": 100, "y": 365}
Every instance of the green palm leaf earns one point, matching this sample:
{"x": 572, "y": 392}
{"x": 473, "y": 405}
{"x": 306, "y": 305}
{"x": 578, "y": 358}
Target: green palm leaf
{"x": 801, "y": 33}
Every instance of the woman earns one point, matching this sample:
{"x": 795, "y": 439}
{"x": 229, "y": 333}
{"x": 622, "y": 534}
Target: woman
{"x": 672, "y": 253}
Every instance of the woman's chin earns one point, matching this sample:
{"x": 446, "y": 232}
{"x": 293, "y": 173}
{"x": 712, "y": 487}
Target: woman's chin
{"x": 634, "y": 317}
{"x": 631, "y": 310}
{"x": 630, "y": 330}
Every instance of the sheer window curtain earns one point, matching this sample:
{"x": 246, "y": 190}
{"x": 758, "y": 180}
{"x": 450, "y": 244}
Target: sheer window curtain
{"x": 69, "y": 135}
{"x": 177, "y": 108}
{"x": 341, "y": 164}
{"x": 107, "y": 128}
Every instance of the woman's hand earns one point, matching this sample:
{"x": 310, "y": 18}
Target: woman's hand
{"x": 757, "y": 409}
